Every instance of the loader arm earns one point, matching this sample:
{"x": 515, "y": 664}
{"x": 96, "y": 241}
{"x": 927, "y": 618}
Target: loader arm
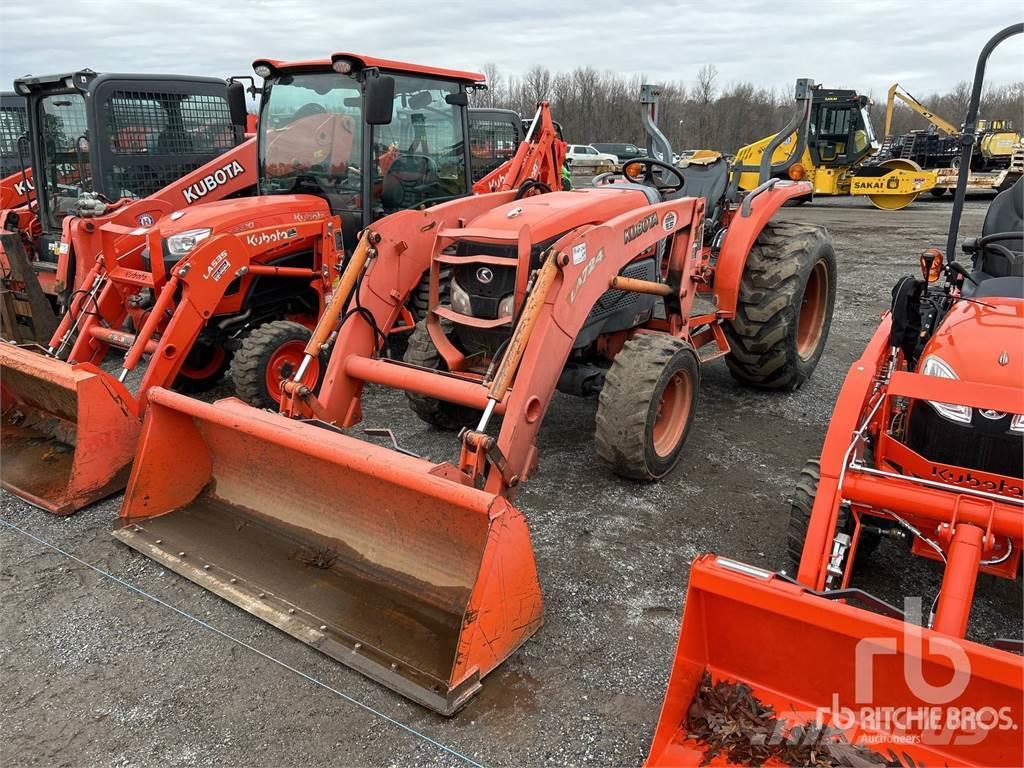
{"x": 896, "y": 91}
{"x": 16, "y": 189}
{"x": 84, "y": 239}
{"x": 539, "y": 157}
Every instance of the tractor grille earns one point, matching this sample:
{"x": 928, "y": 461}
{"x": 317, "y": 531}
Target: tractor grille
{"x": 985, "y": 444}
{"x": 156, "y": 138}
{"x": 617, "y": 301}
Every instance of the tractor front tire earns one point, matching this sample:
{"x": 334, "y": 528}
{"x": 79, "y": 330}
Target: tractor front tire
{"x": 421, "y": 352}
{"x": 202, "y": 370}
{"x": 784, "y": 312}
{"x": 269, "y": 355}
{"x": 647, "y": 405}
{"x": 800, "y": 519}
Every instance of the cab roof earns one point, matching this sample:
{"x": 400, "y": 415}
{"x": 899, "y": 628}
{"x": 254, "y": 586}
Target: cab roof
{"x": 86, "y": 79}
{"x": 362, "y": 61}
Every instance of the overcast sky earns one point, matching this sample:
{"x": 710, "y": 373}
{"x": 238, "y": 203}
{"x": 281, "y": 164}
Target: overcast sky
{"x": 927, "y": 45}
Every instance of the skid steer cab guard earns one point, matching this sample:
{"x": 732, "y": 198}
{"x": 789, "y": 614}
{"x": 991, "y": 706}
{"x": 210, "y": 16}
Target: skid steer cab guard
{"x": 887, "y": 684}
{"x": 377, "y": 559}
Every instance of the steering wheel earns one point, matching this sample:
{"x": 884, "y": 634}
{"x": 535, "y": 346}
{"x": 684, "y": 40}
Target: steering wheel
{"x": 650, "y": 164}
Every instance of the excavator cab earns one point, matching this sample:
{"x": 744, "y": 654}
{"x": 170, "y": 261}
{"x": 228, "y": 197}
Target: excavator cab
{"x": 368, "y": 137}
{"x": 839, "y": 134}
{"x": 103, "y": 137}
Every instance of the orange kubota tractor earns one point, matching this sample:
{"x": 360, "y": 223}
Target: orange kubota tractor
{"x": 106, "y": 149}
{"x": 925, "y": 446}
{"x": 342, "y": 143}
{"x": 420, "y": 573}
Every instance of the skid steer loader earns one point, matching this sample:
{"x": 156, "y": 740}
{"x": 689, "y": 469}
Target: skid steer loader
{"x": 418, "y": 573}
{"x": 246, "y": 275}
{"x": 98, "y": 144}
{"x": 924, "y": 447}
{"x": 829, "y": 145}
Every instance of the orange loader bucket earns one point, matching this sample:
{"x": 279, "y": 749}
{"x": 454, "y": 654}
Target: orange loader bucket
{"x": 376, "y": 558}
{"x": 885, "y": 684}
{"x": 69, "y": 431}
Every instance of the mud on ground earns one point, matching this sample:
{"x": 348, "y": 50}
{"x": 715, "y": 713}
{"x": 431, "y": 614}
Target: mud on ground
{"x": 95, "y": 674}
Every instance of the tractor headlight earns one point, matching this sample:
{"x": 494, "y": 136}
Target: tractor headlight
{"x": 1017, "y": 423}
{"x": 184, "y": 242}
{"x": 460, "y": 300}
{"x": 936, "y": 366}
{"x": 507, "y": 306}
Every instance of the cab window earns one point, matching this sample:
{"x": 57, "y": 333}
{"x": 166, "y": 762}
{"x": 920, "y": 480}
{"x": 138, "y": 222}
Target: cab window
{"x": 419, "y": 157}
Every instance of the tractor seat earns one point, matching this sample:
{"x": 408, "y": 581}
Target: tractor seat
{"x": 1005, "y": 214}
{"x": 708, "y": 181}
{"x": 405, "y": 180}
{"x": 1000, "y": 287}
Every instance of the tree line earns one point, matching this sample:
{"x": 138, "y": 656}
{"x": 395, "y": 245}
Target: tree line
{"x": 703, "y": 113}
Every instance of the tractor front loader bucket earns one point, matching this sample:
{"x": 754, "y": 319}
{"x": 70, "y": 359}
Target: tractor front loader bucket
{"x": 375, "y": 558}
{"x": 886, "y": 684}
{"x": 69, "y": 431}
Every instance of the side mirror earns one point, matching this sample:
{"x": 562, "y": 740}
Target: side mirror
{"x": 236, "y": 103}
{"x": 460, "y": 99}
{"x": 379, "y": 98}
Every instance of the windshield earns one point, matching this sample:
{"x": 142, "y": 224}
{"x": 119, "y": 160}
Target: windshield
{"x": 64, "y": 152}
{"x": 420, "y": 154}
{"x": 311, "y": 138}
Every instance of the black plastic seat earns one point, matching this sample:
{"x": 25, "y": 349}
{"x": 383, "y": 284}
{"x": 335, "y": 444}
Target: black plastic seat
{"x": 1005, "y": 214}
{"x": 708, "y": 181}
{"x": 1000, "y": 287}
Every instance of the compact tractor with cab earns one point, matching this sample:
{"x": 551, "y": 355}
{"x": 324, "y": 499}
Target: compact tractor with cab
{"x": 341, "y": 143}
{"x": 104, "y": 149}
{"x": 926, "y": 446}
{"x": 420, "y": 573}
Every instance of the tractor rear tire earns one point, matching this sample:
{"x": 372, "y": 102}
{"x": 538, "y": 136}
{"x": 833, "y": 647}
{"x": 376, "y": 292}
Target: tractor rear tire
{"x": 784, "y": 312}
{"x": 270, "y": 353}
{"x": 800, "y": 519}
{"x": 421, "y": 352}
{"x": 206, "y": 365}
{"x": 646, "y": 406}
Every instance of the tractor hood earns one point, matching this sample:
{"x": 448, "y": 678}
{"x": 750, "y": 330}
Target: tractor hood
{"x": 552, "y": 214}
{"x": 982, "y": 342}
{"x": 244, "y": 214}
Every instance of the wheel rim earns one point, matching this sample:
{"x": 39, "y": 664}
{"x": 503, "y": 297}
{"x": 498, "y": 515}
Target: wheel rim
{"x": 896, "y": 202}
{"x": 673, "y": 414}
{"x": 210, "y": 361}
{"x": 283, "y": 364}
{"x": 812, "y": 312}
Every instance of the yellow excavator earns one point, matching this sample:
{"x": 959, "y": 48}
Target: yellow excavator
{"x": 993, "y": 166}
{"x": 827, "y": 144}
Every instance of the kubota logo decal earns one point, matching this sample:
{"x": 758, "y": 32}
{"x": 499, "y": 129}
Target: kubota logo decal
{"x": 21, "y": 187}
{"x": 633, "y": 231}
{"x": 586, "y": 272}
{"x": 218, "y": 267}
{"x": 968, "y": 480}
{"x": 267, "y": 238}
{"x": 207, "y": 184}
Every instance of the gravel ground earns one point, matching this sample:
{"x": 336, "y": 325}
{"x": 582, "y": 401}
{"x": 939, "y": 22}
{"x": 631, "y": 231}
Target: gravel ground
{"x": 96, "y": 674}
